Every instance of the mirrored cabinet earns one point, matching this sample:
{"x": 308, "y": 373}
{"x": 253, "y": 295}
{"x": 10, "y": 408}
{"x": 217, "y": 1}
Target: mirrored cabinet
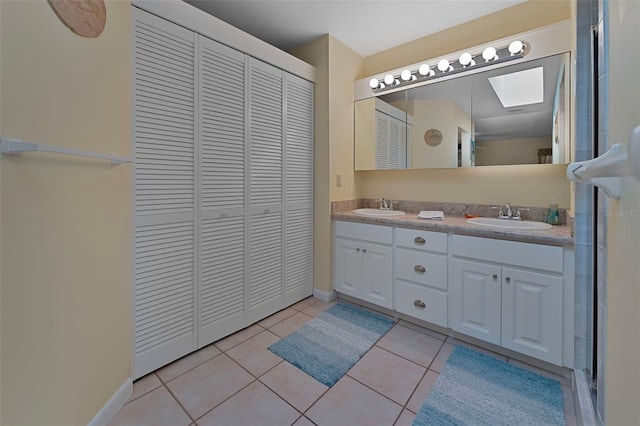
{"x": 515, "y": 114}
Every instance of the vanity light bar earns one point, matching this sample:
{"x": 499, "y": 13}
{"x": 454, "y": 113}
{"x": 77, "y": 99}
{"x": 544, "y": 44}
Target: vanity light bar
{"x": 489, "y": 56}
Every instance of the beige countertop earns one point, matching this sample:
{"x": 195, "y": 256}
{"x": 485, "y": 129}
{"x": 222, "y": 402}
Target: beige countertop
{"x": 559, "y": 235}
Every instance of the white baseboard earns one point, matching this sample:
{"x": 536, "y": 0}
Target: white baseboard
{"x": 113, "y": 405}
{"x": 324, "y": 295}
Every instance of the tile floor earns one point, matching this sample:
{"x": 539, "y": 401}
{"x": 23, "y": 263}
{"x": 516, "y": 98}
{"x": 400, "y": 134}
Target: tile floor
{"x": 238, "y": 381}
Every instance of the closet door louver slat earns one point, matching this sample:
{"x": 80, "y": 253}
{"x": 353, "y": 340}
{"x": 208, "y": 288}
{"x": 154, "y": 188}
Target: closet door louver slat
{"x": 222, "y": 192}
{"x": 164, "y": 196}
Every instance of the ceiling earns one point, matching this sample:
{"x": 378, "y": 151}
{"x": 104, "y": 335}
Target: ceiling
{"x": 368, "y": 27}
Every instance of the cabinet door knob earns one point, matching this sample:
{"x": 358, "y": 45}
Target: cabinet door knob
{"x": 495, "y": 277}
{"x": 419, "y": 304}
{"x": 420, "y": 268}
{"x": 358, "y": 250}
{"x": 507, "y": 280}
{"x": 419, "y": 240}
{"x": 364, "y": 250}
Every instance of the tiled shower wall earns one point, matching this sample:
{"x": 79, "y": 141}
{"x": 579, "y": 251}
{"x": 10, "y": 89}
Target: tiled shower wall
{"x": 587, "y": 16}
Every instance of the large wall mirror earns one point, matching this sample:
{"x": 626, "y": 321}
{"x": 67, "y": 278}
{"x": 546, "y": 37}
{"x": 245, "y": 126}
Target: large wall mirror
{"x": 517, "y": 114}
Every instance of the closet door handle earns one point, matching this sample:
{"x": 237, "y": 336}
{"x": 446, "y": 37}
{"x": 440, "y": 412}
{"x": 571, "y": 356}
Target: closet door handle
{"x": 419, "y": 240}
{"x": 420, "y": 268}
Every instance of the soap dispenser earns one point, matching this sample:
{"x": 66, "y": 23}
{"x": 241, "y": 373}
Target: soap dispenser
{"x": 553, "y": 217}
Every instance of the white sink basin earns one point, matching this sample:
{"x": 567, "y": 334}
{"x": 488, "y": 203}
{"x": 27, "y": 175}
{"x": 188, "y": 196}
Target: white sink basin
{"x": 378, "y": 212}
{"x": 525, "y": 225}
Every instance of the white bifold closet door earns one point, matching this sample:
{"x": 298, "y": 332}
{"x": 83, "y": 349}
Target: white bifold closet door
{"x": 265, "y": 293}
{"x": 221, "y": 302}
{"x": 298, "y": 194}
{"x": 164, "y": 194}
{"x": 223, "y": 191}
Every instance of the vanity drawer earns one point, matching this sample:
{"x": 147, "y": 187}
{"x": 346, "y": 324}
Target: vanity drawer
{"x": 421, "y": 267}
{"x": 364, "y": 231}
{"x": 421, "y": 240}
{"x": 410, "y": 298}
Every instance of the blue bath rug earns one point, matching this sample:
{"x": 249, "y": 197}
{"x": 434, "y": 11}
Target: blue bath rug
{"x": 328, "y": 346}
{"x": 477, "y": 389}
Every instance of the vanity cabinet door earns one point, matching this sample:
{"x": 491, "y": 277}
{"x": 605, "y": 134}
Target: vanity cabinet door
{"x": 377, "y": 274}
{"x": 348, "y": 267}
{"x": 532, "y": 314}
{"x": 475, "y": 300}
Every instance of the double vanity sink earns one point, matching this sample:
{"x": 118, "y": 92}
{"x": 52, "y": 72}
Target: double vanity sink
{"x": 524, "y": 225}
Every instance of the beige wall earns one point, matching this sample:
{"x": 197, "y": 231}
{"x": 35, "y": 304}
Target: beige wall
{"x": 510, "y": 151}
{"x": 65, "y": 221}
{"x": 532, "y": 185}
{"x": 337, "y": 67}
{"x": 622, "y": 384}
{"x": 520, "y": 18}
{"x": 481, "y": 186}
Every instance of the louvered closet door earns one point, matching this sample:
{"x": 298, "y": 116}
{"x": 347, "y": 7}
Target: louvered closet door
{"x": 265, "y": 292}
{"x": 382, "y": 140}
{"x": 298, "y": 227}
{"x": 164, "y": 237}
{"x": 222, "y": 191}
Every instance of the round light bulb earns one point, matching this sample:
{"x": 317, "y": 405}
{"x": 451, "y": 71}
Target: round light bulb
{"x": 443, "y": 65}
{"x": 405, "y": 75}
{"x": 465, "y": 59}
{"x": 516, "y": 47}
{"x": 489, "y": 54}
{"x": 389, "y": 79}
{"x": 374, "y": 83}
{"x": 424, "y": 69}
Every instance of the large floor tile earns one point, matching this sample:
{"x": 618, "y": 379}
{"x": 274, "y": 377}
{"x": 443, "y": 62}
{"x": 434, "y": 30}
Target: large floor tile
{"x": 291, "y": 324}
{"x": 239, "y": 337}
{"x": 201, "y": 389}
{"x": 405, "y": 419}
{"x": 318, "y": 308}
{"x": 186, "y": 363}
{"x": 387, "y": 373}
{"x": 254, "y": 355}
{"x": 145, "y": 385}
{"x": 413, "y": 345}
{"x": 254, "y": 405}
{"x": 422, "y": 391}
{"x": 422, "y": 330}
{"x": 441, "y": 359}
{"x": 295, "y": 386}
{"x": 277, "y": 317}
{"x": 157, "y": 408}
{"x": 304, "y": 303}
{"x": 350, "y": 402}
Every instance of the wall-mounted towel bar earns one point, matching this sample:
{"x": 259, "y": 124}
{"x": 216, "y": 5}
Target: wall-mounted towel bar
{"x": 605, "y": 171}
{"x": 15, "y": 147}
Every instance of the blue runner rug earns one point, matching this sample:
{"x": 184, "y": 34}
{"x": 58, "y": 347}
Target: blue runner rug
{"x": 328, "y": 346}
{"x": 477, "y": 389}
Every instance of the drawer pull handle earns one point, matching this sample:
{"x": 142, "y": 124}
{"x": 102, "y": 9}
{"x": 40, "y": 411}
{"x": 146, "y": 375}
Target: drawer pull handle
{"x": 420, "y": 268}
{"x": 419, "y": 304}
{"x": 419, "y": 240}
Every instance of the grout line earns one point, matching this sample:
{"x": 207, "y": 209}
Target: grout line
{"x": 147, "y": 392}
{"x": 178, "y": 401}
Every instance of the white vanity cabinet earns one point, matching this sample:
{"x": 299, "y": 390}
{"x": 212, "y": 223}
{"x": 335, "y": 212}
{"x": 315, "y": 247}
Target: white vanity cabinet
{"x": 421, "y": 274}
{"x": 510, "y": 294}
{"x": 363, "y": 262}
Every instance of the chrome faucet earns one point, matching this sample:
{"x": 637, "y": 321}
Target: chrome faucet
{"x": 506, "y": 212}
{"x": 384, "y": 204}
